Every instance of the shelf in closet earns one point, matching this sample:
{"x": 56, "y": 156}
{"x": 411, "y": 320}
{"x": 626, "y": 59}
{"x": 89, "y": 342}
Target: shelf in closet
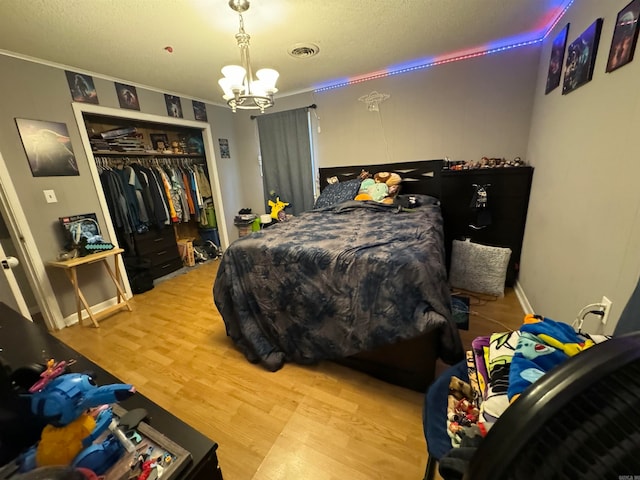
{"x": 146, "y": 154}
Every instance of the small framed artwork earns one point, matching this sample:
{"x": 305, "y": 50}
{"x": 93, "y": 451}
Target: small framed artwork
{"x": 625, "y": 36}
{"x": 160, "y": 141}
{"x": 224, "y": 148}
{"x": 556, "y": 60}
{"x": 81, "y": 87}
{"x": 199, "y": 111}
{"x": 581, "y": 58}
{"x": 48, "y": 148}
{"x": 127, "y": 96}
{"x": 174, "y": 107}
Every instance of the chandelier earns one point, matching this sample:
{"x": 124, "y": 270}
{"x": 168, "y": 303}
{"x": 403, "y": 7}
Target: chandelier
{"x": 240, "y": 89}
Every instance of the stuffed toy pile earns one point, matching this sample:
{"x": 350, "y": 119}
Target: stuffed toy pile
{"x": 383, "y": 187}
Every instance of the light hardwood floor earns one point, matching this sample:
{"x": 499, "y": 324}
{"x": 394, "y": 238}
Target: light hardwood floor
{"x": 319, "y": 422}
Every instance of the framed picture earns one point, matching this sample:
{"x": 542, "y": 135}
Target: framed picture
{"x": 159, "y": 141}
{"x": 48, "y": 148}
{"x": 81, "y": 87}
{"x": 581, "y": 58}
{"x": 127, "y": 96}
{"x": 77, "y": 228}
{"x": 174, "y": 107}
{"x": 625, "y": 36}
{"x": 199, "y": 111}
{"x": 224, "y": 148}
{"x": 556, "y": 60}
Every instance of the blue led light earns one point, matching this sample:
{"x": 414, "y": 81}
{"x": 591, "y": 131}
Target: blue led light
{"x": 421, "y": 64}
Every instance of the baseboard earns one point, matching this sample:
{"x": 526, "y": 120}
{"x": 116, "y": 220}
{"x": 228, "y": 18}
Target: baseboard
{"x": 522, "y": 298}
{"x": 73, "y": 318}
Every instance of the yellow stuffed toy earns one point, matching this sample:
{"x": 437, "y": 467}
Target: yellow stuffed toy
{"x": 277, "y": 207}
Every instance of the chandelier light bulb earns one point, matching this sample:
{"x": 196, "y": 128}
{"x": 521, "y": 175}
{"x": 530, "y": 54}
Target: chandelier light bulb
{"x": 240, "y": 89}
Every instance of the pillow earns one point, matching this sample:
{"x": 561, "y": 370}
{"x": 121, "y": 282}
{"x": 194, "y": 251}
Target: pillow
{"x": 335, "y": 193}
{"x": 479, "y": 268}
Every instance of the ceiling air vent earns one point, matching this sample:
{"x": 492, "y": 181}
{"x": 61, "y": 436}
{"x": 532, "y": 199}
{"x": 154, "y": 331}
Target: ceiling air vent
{"x": 304, "y": 50}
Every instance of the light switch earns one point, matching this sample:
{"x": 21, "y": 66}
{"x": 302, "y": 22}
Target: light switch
{"x": 50, "y": 196}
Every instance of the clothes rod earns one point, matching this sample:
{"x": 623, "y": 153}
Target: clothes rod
{"x": 313, "y": 105}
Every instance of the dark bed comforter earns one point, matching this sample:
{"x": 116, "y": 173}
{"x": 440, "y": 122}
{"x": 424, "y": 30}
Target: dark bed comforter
{"x": 333, "y": 282}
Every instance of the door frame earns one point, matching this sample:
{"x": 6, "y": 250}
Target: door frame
{"x": 80, "y": 108}
{"x": 30, "y": 256}
{"x": 14, "y": 288}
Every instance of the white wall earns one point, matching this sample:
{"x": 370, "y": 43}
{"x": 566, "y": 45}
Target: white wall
{"x": 583, "y": 226}
{"x": 464, "y": 110}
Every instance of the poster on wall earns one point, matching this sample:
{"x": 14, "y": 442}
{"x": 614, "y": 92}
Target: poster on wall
{"x": 556, "y": 60}
{"x": 581, "y": 58}
{"x": 625, "y": 36}
{"x": 81, "y": 87}
{"x": 224, "y": 148}
{"x": 127, "y": 96}
{"x": 48, "y": 148}
{"x": 199, "y": 111}
{"x": 174, "y": 106}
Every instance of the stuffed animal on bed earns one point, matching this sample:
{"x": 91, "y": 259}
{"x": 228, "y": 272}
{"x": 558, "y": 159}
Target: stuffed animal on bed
{"x": 277, "y": 209}
{"x": 383, "y": 187}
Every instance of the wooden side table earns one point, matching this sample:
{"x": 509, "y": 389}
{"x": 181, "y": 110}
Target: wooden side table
{"x": 70, "y": 267}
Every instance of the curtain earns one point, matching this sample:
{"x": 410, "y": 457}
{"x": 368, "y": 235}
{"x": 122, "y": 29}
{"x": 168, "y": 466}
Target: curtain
{"x": 287, "y": 170}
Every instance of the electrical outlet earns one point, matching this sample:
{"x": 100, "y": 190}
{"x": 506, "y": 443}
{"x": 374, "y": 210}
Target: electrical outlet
{"x": 606, "y": 309}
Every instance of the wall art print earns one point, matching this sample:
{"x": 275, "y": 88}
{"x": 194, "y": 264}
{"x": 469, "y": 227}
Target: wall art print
{"x": 48, "y": 148}
{"x": 625, "y": 36}
{"x": 581, "y": 58}
{"x": 127, "y": 96}
{"x": 199, "y": 111}
{"x": 81, "y": 87}
{"x": 224, "y": 148}
{"x": 174, "y": 106}
{"x": 556, "y": 60}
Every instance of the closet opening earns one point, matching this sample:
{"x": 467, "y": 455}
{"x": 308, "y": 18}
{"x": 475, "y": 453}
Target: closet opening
{"x": 157, "y": 182}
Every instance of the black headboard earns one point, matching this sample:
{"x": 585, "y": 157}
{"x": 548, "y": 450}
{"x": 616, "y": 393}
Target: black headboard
{"x": 422, "y": 176}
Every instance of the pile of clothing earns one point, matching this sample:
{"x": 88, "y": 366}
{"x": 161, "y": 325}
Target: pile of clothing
{"x": 500, "y": 367}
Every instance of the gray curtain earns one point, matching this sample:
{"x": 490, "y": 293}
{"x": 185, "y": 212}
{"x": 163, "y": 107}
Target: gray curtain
{"x": 286, "y": 158}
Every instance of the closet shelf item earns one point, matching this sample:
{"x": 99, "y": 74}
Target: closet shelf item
{"x": 145, "y": 154}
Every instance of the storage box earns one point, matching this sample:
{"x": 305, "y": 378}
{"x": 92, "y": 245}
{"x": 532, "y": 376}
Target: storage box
{"x": 185, "y": 247}
{"x": 210, "y": 234}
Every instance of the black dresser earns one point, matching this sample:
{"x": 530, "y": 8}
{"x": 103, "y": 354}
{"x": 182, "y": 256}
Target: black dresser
{"x": 22, "y": 343}
{"x": 507, "y": 202}
{"x": 161, "y": 249}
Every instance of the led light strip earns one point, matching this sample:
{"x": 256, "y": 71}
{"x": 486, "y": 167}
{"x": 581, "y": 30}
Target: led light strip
{"x": 389, "y": 73}
{"x": 442, "y": 61}
{"x": 555, "y": 22}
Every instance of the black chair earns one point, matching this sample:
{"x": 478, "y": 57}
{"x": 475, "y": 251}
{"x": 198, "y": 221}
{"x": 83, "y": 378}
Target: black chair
{"x": 580, "y": 420}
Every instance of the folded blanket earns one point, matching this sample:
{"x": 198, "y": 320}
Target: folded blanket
{"x": 544, "y": 343}
{"x": 502, "y": 347}
{"x": 478, "y": 345}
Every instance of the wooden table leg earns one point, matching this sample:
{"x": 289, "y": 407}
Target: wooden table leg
{"x": 73, "y": 277}
{"x": 116, "y": 280}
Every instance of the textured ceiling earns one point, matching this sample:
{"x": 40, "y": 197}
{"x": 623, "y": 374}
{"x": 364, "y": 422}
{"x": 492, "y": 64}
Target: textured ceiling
{"x": 125, "y": 39}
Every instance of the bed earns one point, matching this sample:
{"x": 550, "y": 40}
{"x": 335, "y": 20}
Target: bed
{"x": 361, "y": 283}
